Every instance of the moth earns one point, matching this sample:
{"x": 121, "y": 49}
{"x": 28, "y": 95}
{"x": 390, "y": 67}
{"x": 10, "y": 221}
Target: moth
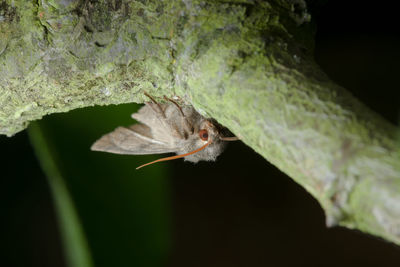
{"x": 167, "y": 128}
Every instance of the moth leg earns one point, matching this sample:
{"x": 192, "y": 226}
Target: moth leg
{"x": 188, "y": 127}
{"x": 229, "y": 138}
{"x": 176, "y": 104}
{"x": 160, "y": 110}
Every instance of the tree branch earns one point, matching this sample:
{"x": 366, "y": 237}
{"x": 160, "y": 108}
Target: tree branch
{"x": 248, "y": 64}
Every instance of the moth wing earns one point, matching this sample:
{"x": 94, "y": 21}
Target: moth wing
{"x": 135, "y": 140}
{"x": 162, "y": 123}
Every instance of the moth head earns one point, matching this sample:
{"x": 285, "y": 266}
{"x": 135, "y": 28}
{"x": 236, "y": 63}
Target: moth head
{"x": 211, "y": 129}
{"x": 208, "y": 135}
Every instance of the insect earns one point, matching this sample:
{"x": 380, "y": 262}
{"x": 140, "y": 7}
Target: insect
{"x": 165, "y": 128}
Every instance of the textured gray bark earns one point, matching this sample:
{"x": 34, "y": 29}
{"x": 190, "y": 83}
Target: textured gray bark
{"x": 248, "y": 64}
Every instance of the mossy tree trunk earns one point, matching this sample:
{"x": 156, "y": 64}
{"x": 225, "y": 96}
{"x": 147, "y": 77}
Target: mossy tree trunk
{"x": 246, "y": 63}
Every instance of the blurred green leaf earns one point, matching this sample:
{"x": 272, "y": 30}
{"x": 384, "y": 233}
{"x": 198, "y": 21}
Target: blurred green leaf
{"x": 125, "y": 213}
{"x": 75, "y": 244}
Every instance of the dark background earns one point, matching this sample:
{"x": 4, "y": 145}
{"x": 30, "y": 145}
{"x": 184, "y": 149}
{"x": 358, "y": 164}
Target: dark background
{"x": 240, "y": 211}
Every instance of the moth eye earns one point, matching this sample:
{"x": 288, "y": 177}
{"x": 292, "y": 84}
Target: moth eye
{"x": 203, "y": 134}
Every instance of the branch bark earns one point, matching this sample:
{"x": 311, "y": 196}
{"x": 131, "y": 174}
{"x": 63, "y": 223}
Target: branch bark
{"x": 246, "y": 63}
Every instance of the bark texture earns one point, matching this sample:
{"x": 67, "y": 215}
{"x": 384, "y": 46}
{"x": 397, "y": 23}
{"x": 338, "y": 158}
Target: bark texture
{"x": 246, "y": 63}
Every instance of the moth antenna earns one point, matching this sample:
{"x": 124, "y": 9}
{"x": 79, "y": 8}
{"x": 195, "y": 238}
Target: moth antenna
{"x": 176, "y": 104}
{"x": 155, "y": 102}
{"x": 190, "y": 126}
{"x": 233, "y": 138}
{"x": 177, "y": 156}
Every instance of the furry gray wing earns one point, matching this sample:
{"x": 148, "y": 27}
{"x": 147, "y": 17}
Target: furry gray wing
{"x": 164, "y": 128}
{"x": 135, "y": 140}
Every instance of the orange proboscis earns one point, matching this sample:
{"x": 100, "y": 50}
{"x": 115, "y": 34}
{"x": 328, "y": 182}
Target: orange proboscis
{"x": 177, "y": 156}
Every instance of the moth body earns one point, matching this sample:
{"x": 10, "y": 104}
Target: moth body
{"x": 166, "y": 128}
